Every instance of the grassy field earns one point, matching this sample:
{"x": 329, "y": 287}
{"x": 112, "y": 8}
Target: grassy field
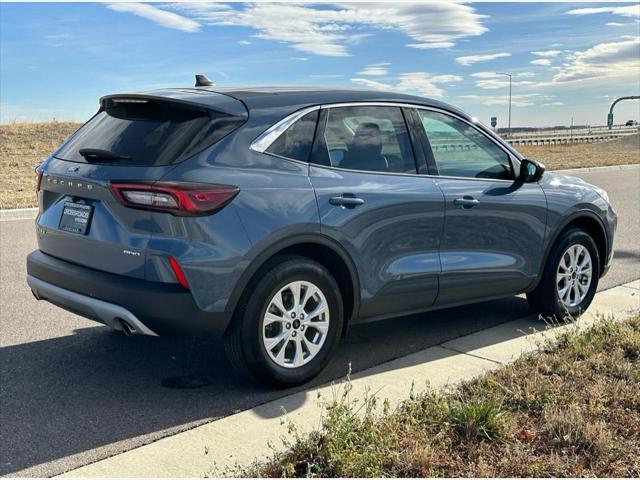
{"x": 25, "y": 145}
{"x": 571, "y": 410}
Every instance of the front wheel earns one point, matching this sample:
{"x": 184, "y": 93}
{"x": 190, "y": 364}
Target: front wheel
{"x": 570, "y": 278}
{"x": 289, "y": 323}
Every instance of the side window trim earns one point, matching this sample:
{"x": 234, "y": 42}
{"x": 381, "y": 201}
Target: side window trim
{"x": 413, "y": 146}
{"x": 422, "y": 147}
{"x": 510, "y": 157}
{"x": 319, "y": 147}
{"x": 319, "y": 153}
{"x": 265, "y": 139}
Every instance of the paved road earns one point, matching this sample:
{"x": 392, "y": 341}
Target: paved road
{"x": 72, "y": 392}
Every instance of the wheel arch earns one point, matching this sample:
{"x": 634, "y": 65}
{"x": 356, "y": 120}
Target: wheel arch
{"x": 319, "y": 248}
{"x": 587, "y": 221}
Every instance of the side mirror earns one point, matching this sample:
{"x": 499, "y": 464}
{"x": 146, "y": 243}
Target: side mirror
{"x": 530, "y": 171}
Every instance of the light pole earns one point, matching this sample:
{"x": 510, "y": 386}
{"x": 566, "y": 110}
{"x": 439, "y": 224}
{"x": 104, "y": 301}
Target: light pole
{"x": 508, "y": 75}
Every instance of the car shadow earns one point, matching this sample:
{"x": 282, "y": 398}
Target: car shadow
{"x": 98, "y": 393}
{"x": 626, "y": 254}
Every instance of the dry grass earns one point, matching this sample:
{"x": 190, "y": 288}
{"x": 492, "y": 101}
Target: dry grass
{"x": 22, "y": 147}
{"x": 571, "y": 410}
{"x": 25, "y": 145}
{"x": 621, "y": 151}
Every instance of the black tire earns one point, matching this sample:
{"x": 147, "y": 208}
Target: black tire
{"x": 243, "y": 339}
{"x": 545, "y": 299}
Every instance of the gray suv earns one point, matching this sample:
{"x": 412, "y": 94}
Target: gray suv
{"x": 277, "y": 217}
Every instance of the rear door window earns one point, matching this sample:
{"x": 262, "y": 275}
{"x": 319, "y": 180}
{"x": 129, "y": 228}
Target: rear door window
{"x": 366, "y": 138}
{"x": 296, "y": 141}
{"x": 147, "y": 132}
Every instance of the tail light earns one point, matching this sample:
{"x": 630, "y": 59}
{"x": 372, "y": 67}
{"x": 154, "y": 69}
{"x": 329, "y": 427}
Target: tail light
{"x": 177, "y": 198}
{"x": 38, "y": 177}
{"x": 177, "y": 271}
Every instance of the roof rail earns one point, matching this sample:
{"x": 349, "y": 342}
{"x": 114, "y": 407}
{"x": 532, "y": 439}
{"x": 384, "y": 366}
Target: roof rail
{"x": 203, "y": 81}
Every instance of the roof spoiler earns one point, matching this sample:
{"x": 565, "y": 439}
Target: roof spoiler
{"x": 203, "y": 81}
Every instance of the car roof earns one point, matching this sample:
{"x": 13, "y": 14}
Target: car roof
{"x": 290, "y": 97}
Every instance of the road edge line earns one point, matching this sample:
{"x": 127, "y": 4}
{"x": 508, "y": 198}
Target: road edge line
{"x": 626, "y": 166}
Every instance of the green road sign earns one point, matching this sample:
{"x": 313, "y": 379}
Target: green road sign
{"x": 610, "y": 120}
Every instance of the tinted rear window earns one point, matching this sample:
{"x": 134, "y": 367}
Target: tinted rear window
{"x": 153, "y": 133}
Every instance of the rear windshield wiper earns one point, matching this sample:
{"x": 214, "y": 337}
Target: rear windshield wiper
{"x": 94, "y": 154}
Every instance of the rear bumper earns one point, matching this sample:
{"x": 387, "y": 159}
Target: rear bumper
{"x": 151, "y": 308}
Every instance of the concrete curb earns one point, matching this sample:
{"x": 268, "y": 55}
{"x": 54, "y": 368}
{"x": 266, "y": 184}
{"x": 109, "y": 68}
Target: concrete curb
{"x": 245, "y": 436}
{"x": 18, "y": 213}
{"x": 632, "y": 166}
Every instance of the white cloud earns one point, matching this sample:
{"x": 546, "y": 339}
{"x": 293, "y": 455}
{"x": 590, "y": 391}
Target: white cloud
{"x": 546, "y": 53}
{"x": 431, "y": 45}
{"x": 485, "y": 75}
{"x": 330, "y": 29}
{"x": 367, "y": 82}
{"x": 57, "y": 39}
{"x": 616, "y": 24}
{"x": 157, "y": 15}
{"x": 471, "y": 59}
{"x": 525, "y": 100}
{"x": 326, "y": 75}
{"x": 627, "y": 10}
{"x": 541, "y": 61}
{"x": 492, "y": 83}
{"x": 494, "y": 80}
{"x": 244, "y": 42}
{"x": 375, "y": 69}
{"x": 553, "y": 104}
{"x": 424, "y": 84}
{"x": 619, "y": 60}
{"x": 419, "y": 83}
{"x": 499, "y": 75}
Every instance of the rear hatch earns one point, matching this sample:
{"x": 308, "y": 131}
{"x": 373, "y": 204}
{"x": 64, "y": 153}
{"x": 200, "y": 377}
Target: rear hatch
{"x": 132, "y": 138}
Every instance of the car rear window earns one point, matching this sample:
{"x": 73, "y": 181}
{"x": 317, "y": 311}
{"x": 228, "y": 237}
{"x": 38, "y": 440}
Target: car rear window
{"x": 297, "y": 140}
{"x": 147, "y": 132}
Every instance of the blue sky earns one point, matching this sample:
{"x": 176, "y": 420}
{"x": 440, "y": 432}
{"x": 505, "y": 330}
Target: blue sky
{"x": 567, "y": 59}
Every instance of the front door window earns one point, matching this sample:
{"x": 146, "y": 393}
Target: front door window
{"x": 459, "y": 150}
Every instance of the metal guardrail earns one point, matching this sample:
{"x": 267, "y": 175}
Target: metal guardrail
{"x": 575, "y": 131}
{"x": 583, "y": 135}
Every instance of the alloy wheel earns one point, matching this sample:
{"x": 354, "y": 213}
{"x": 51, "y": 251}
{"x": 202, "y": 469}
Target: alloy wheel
{"x": 295, "y": 324}
{"x": 574, "y": 274}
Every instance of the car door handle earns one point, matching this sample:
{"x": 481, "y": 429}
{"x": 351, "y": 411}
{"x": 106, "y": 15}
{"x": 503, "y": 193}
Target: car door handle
{"x": 346, "y": 200}
{"x": 466, "y": 202}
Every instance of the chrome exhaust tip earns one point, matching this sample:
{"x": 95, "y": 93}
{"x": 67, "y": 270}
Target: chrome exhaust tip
{"x": 126, "y": 328}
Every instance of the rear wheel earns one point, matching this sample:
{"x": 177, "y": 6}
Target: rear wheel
{"x": 288, "y": 324}
{"x": 570, "y": 278}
